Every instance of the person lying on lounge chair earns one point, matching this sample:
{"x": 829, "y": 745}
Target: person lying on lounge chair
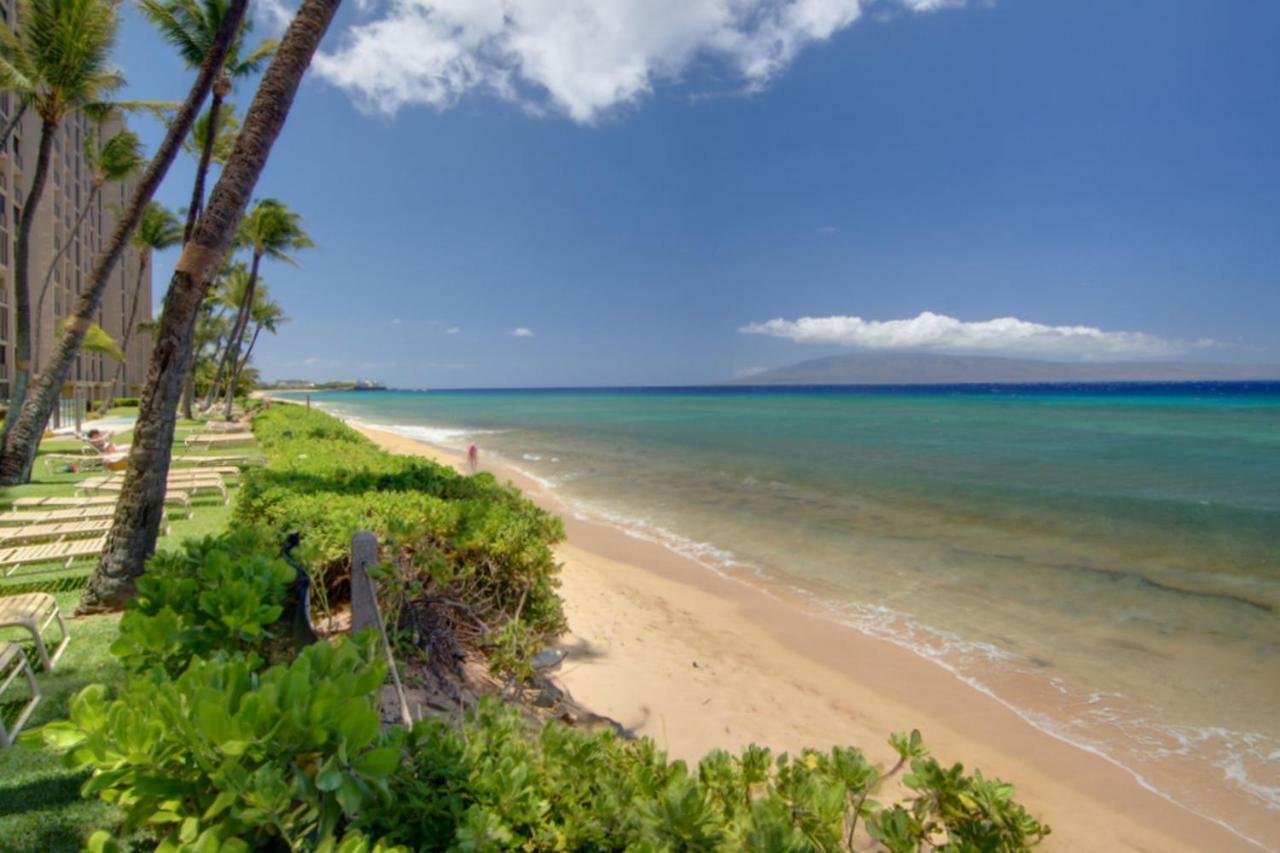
{"x": 114, "y": 458}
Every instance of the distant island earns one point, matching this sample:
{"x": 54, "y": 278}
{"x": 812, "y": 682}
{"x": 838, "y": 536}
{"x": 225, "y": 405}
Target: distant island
{"x": 335, "y": 385}
{"x": 881, "y": 368}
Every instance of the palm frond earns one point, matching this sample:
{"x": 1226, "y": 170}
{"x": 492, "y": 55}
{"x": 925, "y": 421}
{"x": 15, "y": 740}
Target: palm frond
{"x": 96, "y": 340}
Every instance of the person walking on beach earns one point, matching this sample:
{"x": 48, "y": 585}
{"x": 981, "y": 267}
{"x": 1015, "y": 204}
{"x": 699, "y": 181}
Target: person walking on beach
{"x": 473, "y": 459}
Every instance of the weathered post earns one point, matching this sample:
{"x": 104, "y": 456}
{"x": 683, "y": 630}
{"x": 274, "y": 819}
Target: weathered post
{"x": 364, "y": 604}
{"x": 364, "y": 608}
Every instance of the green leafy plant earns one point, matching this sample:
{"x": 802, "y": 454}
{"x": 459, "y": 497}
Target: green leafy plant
{"x": 468, "y": 540}
{"x": 494, "y": 784}
{"x": 216, "y": 594}
{"x": 225, "y": 757}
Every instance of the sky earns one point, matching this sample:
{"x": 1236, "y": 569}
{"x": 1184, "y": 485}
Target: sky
{"x": 511, "y": 193}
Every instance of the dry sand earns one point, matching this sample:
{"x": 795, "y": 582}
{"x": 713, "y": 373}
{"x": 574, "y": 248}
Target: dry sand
{"x": 698, "y": 661}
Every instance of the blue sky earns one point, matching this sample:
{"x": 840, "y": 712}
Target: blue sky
{"x": 661, "y": 194}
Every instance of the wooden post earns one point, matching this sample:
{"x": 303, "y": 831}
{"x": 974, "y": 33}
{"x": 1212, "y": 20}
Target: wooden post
{"x": 308, "y": 402}
{"x": 364, "y": 603}
{"x": 364, "y": 608}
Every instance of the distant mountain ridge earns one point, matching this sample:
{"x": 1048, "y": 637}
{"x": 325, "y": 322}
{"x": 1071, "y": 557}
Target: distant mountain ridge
{"x": 885, "y": 368}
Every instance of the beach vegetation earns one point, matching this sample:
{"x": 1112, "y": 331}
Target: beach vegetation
{"x": 471, "y": 541}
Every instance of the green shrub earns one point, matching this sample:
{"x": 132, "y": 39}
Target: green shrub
{"x": 226, "y": 757}
{"x": 128, "y": 402}
{"x": 216, "y": 594}
{"x": 494, "y": 786}
{"x": 469, "y": 539}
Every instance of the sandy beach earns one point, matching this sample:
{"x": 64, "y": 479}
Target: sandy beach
{"x": 697, "y": 661}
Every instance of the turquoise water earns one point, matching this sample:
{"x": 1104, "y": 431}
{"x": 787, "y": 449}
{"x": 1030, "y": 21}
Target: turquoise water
{"x": 1104, "y": 559}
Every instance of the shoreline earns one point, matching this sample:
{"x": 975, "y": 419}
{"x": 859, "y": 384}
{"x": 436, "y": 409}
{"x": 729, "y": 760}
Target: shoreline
{"x": 698, "y": 660}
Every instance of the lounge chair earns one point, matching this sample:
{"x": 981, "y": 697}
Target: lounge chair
{"x": 35, "y": 612}
{"x": 206, "y": 439}
{"x": 88, "y": 506}
{"x": 31, "y": 503}
{"x": 80, "y": 461}
{"x": 247, "y": 460}
{"x": 13, "y": 662}
{"x": 226, "y": 426}
{"x": 194, "y": 484}
{"x": 63, "y": 553}
{"x": 55, "y": 531}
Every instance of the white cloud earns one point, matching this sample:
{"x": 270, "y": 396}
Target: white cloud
{"x": 395, "y": 322}
{"x": 522, "y": 332}
{"x": 747, "y": 372}
{"x": 576, "y": 57}
{"x": 453, "y": 330}
{"x": 827, "y": 229}
{"x": 1003, "y": 335}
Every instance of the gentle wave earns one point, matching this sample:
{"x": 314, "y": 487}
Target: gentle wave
{"x": 1139, "y": 739}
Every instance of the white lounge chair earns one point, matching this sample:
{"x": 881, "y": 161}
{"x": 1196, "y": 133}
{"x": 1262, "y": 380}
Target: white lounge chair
{"x": 62, "y": 553}
{"x": 57, "y": 531}
{"x": 32, "y": 503}
{"x": 244, "y": 460}
{"x": 13, "y": 662}
{"x": 194, "y": 484}
{"x": 35, "y": 612}
{"x": 206, "y": 439}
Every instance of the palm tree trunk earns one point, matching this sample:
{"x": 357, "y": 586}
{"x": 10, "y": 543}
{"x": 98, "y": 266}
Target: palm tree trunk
{"x": 239, "y": 366}
{"x": 137, "y": 520}
{"x": 237, "y": 334}
{"x": 21, "y": 281}
{"x": 23, "y": 438}
{"x": 232, "y": 352}
{"x": 126, "y": 336}
{"x": 244, "y": 362}
{"x": 48, "y": 275}
{"x": 11, "y": 126}
{"x": 189, "y": 391}
{"x": 202, "y": 170}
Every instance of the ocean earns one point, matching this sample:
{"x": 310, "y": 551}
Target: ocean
{"x": 1103, "y": 558}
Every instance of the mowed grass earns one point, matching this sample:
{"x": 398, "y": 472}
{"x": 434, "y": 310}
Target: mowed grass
{"x": 40, "y": 804}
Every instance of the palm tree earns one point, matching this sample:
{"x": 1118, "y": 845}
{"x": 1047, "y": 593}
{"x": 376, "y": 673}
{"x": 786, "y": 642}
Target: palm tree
{"x": 137, "y": 519}
{"x": 266, "y": 315}
{"x": 58, "y": 63}
{"x": 158, "y": 230}
{"x": 23, "y": 437}
{"x": 191, "y": 26}
{"x": 228, "y": 126}
{"x": 116, "y": 159}
{"x": 271, "y": 230}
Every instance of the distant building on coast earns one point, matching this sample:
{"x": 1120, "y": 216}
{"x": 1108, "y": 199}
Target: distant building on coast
{"x": 65, "y": 194}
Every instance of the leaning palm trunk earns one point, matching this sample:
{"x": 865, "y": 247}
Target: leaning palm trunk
{"x": 206, "y": 157}
{"x": 232, "y": 352}
{"x": 12, "y": 126}
{"x": 23, "y": 438}
{"x": 253, "y": 341}
{"x": 21, "y": 285}
{"x": 118, "y": 378}
{"x": 237, "y": 335}
{"x": 48, "y": 275}
{"x": 137, "y": 519}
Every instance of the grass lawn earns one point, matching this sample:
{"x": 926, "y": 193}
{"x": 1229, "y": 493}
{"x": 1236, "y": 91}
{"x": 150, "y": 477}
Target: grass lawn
{"x": 40, "y": 804}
